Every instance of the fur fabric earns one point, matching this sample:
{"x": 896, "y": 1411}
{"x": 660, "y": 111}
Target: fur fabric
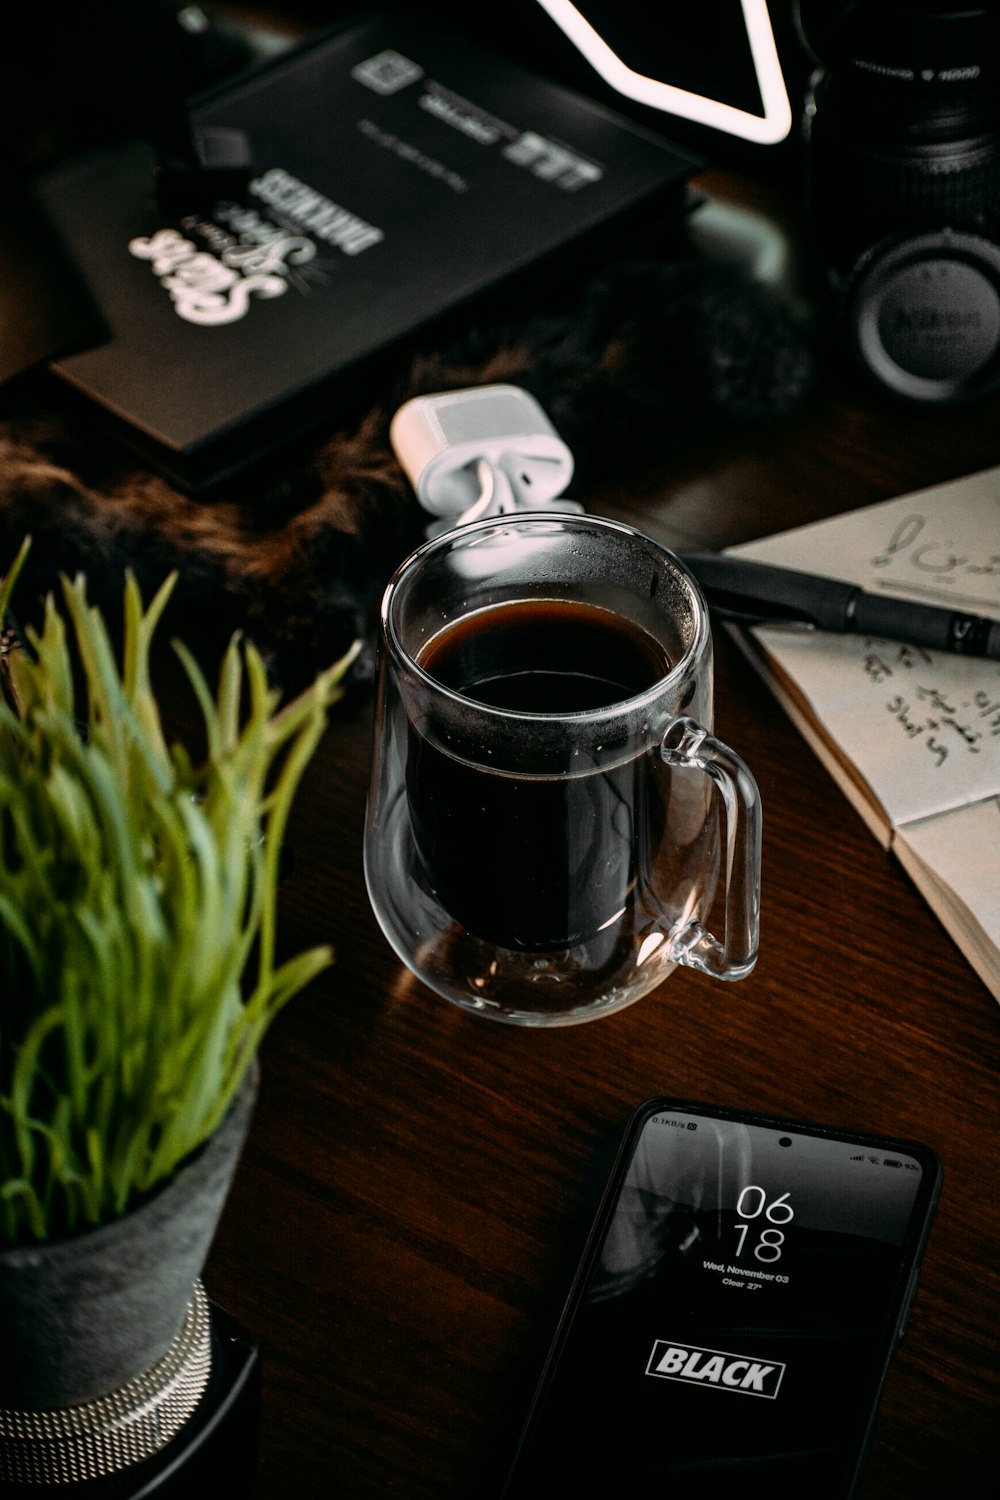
{"x": 636, "y": 363}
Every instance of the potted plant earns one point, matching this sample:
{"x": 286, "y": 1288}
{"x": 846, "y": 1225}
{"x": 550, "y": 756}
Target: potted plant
{"x": 138, "y": 975}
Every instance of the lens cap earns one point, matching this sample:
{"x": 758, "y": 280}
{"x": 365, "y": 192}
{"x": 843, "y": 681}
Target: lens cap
{"x": 924, "y": 316}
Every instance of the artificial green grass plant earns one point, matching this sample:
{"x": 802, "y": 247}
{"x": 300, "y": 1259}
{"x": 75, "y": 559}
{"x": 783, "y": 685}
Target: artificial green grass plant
{"x": 138, "y": 889}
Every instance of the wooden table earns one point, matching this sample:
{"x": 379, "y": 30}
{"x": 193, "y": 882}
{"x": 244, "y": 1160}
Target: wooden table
{"x": 418, "y": 1182}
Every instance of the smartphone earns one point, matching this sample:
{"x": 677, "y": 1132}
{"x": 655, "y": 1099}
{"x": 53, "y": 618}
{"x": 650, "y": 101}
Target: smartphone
{"x": 731, "y": 1324}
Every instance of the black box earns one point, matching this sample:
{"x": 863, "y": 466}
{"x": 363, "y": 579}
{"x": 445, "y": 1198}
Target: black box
{"x": 399, "y": 172}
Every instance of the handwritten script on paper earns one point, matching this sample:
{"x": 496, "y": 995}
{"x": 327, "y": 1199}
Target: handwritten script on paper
{"x": 944, "y": 723}
{"x": 923, "y": 727}
{"x": 921, "y": 561}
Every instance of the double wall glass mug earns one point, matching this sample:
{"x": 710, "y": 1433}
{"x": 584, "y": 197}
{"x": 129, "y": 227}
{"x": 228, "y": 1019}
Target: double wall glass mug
{"x": 549, "y": 813}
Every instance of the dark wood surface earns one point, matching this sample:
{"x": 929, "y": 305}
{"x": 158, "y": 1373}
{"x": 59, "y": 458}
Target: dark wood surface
{"x": 417, "y": 1182}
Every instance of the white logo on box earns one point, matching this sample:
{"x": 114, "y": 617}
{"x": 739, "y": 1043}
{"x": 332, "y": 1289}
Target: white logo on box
{"x": 387, "y": 72}
{"x": 204, "y": 290}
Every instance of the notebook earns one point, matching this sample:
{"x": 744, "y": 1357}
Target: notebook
{"x": 46, "y": 309}
{"x": 911, "y": 736}
{"x": 401, "y": 177}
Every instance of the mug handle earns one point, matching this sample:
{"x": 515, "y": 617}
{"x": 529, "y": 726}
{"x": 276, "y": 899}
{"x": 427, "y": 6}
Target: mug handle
{"x": 687, "y": 743}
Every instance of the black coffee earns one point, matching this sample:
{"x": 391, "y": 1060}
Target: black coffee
{"x": 526, "y": 860}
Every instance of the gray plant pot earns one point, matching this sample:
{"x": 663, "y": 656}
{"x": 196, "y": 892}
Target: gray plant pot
{"x": 81, "y": 1317}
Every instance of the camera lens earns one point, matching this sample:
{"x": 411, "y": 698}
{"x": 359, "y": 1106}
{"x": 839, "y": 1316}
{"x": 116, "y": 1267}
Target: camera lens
{"x": 902, "y": 127}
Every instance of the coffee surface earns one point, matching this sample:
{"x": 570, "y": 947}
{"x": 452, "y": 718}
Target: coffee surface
{"x": 545, "y": 656}
{"x": 527, "y": 861}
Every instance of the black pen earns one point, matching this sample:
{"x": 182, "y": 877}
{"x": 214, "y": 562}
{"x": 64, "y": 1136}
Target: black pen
{"x": 754, "y": 593}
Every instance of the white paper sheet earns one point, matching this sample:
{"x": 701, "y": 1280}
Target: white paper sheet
{"x": 922, "y": 727}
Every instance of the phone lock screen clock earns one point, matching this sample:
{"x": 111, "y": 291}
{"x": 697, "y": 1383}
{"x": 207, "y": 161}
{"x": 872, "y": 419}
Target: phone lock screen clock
{"x": 732, "y": 1322}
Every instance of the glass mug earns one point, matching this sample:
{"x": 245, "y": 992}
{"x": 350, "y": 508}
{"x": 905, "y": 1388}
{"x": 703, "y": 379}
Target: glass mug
{"x": 543, "y": 841}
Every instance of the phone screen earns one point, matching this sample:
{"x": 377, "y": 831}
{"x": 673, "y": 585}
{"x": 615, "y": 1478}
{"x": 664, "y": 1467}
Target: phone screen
{"x": 735, "y": 1315}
